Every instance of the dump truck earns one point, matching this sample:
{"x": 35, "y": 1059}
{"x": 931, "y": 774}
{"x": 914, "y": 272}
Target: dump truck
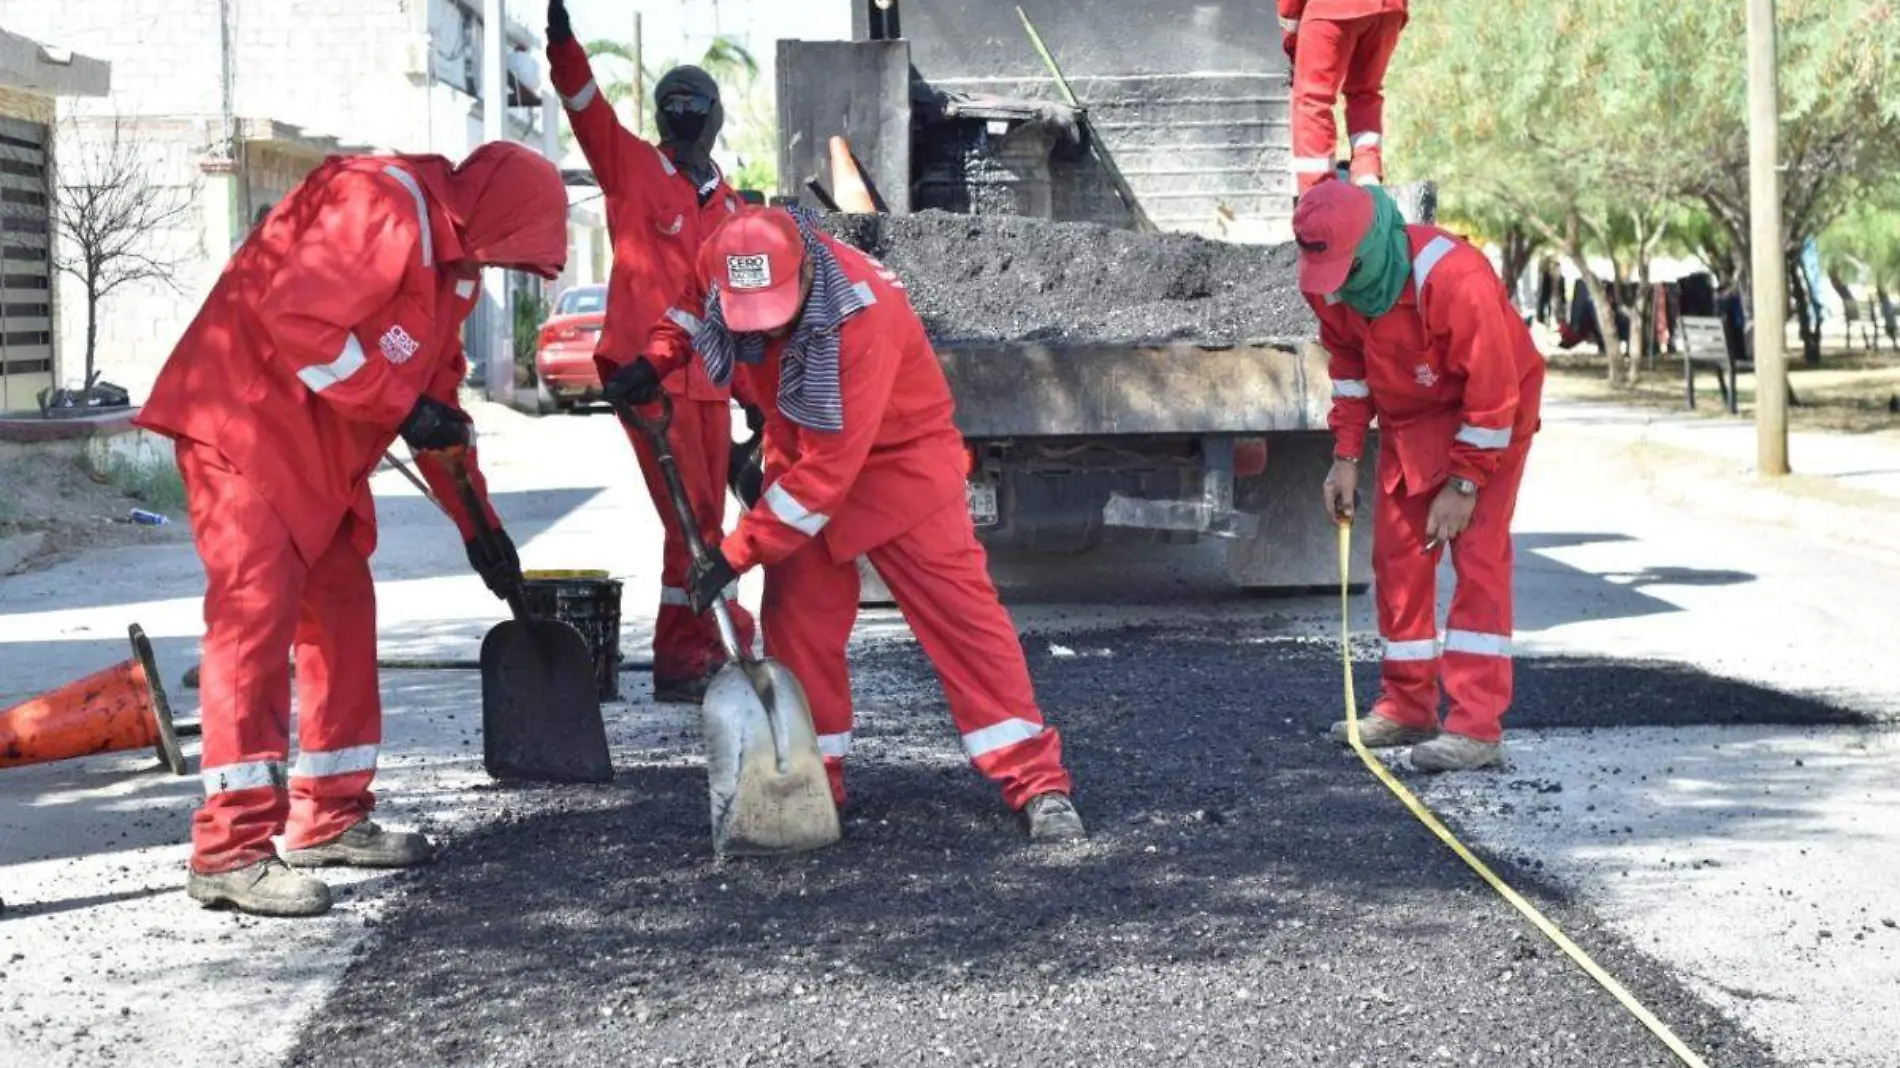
{"x": 950, "y": 106}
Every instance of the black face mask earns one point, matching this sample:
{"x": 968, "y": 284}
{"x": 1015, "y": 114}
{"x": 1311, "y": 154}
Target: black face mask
{"x": 688, "y": 114}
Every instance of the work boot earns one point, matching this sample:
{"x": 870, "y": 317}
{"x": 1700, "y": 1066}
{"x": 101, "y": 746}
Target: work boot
{"x": 1052, "y": 818}
{"x": 365, "y": 845}
{"x": 1378, "y": 732}
{"x": 688, "y": 691}
{"x": 1456, "y": 752}
{"x": 266, "y": 888}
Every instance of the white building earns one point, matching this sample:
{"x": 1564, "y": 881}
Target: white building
{"x": 233, "y": 101}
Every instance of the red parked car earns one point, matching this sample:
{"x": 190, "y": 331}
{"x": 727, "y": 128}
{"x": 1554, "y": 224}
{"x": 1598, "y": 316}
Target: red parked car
{"x": 564, "y": 355}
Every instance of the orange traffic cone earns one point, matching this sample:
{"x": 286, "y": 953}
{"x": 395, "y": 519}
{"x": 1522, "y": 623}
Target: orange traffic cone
{"x": 847, "y": 182}
{"x": 122, "y": 707}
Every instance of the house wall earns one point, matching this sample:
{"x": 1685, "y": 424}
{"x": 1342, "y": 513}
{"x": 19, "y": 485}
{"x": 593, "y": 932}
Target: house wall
{"x": 391, "y": 75}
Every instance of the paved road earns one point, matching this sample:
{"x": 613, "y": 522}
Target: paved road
{"x": 1288, "y": 912}
{"x": 1250, "y": 896}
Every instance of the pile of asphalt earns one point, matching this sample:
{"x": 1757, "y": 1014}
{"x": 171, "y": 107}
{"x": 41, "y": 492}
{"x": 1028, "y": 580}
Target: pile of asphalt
{"x": 1249, "y": 896}
{"x": 1007, "y": 278}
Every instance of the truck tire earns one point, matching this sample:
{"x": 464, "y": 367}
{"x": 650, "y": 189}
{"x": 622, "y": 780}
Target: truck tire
{"x": 1297, "y": 549}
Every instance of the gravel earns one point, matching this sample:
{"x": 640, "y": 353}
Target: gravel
{"x": 1249, "y": 896}
{"x": 1012, "y": 278}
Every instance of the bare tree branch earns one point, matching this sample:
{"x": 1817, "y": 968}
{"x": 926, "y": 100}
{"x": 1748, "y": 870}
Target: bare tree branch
{"x": 112, "y": 219}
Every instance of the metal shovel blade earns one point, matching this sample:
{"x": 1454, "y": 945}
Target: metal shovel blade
{"x": 541, "y": 705}
{"x": 767, "y": 779}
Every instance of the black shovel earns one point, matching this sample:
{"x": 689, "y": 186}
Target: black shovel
{"x": 540, "y": 702}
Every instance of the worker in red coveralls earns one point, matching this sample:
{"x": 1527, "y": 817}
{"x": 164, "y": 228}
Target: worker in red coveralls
{"x": 1335, "y": 45}
{"x": 661, "y": 203}
{"x": 1423, "y": 337}
{"x": 862, "y": 457}
{"x": 334, "y": 329}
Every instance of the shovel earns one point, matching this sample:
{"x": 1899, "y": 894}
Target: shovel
{"x": 766, "y": 777}
{"x": 540, "y": 703}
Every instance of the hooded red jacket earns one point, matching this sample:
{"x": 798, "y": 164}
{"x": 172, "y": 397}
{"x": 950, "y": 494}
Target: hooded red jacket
{"x": 339, "y": 311}
{"x": 653, "y": 214}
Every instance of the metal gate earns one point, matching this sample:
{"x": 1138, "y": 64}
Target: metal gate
{"x": 26, "y": 265}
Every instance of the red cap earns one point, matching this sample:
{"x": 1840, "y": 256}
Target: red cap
{"x": 755, "y": 258}
{"x": 1329, "y": 223}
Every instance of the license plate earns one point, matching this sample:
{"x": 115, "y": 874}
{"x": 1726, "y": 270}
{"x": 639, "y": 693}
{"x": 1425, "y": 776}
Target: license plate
{"x": 981, "y": 497}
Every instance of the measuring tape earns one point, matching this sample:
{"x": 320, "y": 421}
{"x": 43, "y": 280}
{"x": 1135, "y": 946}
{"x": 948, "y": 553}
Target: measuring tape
{"x": 1418, "y": 809}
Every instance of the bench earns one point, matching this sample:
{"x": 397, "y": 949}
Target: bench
{"x": 1705, "y": 343}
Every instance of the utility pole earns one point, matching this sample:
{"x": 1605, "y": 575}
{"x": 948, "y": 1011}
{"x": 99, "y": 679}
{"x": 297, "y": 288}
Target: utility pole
{"x": 638, "y": 120}
{"x": 500, "y": 356}
{"x": 1767, "y": 269}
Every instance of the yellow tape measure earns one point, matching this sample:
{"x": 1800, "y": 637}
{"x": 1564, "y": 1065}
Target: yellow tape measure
{"x": 1418, "y": 809}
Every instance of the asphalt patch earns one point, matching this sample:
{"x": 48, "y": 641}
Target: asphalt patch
{"x": 1009, "y": 278}
{"x": 1249, "y": 897}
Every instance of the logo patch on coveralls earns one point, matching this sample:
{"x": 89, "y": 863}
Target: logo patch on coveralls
{"x": 749, "y": 272}
{"x": 398, "y": 347}
{"x": 1425, "y": 375}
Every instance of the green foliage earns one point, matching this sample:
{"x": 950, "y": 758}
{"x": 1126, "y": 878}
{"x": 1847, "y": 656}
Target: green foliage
{"x": 530, "y": 310}
{"x": 157, "y": 486}
{"x": 1867, "y": 238}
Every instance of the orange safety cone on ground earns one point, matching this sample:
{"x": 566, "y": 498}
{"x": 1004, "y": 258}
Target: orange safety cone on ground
{"x": 847, "y": 182}
{"x": 122, "y": 707}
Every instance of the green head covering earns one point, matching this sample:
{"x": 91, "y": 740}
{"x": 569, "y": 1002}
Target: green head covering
{"x": 1384, "y": 260}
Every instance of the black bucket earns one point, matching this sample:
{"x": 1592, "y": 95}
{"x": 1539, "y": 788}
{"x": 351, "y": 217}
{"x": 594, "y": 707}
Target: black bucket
{"x": 589, "y": 602}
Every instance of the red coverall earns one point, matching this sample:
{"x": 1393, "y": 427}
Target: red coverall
{"x": 1456, "y": 384}
{"x": 890, "y": 485}
{"x": 657, "y": 223}
{"x": 1341, "y": 44}
{"x": 282, "y": 395}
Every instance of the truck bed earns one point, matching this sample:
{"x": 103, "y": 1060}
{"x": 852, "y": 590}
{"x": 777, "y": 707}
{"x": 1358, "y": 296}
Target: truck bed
{"x": 1024, "y": 389}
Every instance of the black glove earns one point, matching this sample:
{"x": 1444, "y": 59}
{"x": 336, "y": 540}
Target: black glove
{"x": 707, "y": 581}
{"x": 501, "y": 569}
{"x": 636, "y": 384}
{"x": 754, "y": 418}
{"x": 560, "y": 29}
{"x": 745, "y": 476}
{"x": 433, "y": 426}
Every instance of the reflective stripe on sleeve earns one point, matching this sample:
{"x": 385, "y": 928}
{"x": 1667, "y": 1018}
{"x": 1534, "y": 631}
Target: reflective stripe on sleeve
{"x": 254, "y": 775}
{"x": 686, "y": 320}
{"x": 1483, "y": 437}
{"x": 422, "y": 210}
{"x": 1350, "y": 387}
{"x": 321, "y": 763}
{"x": 1289, "y": 25}
{"x": 673, "y": 595}
{"x": 1424, "y": 649}
{"x": 836, "y": 746}
{"x": 321, "y": 376}
{"x": 583, "y": 98}
{"x": 792, "y": 513}
{"x": 1369, "y": 139}
{"x": 1312, "y": 165}
{"x": 1002, "y": 735}
{"x": 1477, "y": 643}
{"x": 1436, "y": 249}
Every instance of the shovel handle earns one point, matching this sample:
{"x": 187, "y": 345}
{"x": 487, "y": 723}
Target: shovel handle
{"x": 655, "y": 430}
{"x": 457, "y": 460}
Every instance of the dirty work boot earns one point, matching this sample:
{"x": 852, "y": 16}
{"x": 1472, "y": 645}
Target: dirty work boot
{"x": 1456, "y": 752}
{"x": 365, "y": 845}
{"x": 266, "y": 888}
{"x": 1052, "y": 818}
{"x": 1378, "y": 732}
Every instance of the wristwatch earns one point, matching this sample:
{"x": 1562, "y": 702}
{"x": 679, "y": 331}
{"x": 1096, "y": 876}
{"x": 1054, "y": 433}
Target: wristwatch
{"x": 1464, "y": 487}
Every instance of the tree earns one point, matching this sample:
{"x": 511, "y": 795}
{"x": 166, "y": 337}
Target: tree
{"x": 1598, "y": 120}
{"x": 112, "y": 217}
